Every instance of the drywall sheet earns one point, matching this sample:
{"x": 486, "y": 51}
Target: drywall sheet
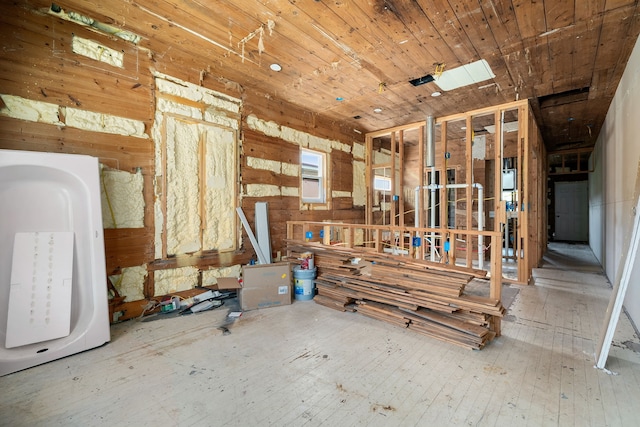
{"x": 220, "y": 188}
{"x": 122, "y": 198}
{"x": 40, "y": 292}
{"x": 182, "y": 165}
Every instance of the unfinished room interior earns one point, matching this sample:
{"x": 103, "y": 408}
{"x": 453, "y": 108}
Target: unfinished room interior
{"x": 320, "y": 212}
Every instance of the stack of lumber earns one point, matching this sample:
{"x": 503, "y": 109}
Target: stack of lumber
{"x": 425, "y": 297}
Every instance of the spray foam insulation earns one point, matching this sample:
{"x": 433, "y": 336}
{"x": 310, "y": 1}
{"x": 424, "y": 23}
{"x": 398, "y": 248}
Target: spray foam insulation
{"x": 215, "y": 116}
{"x": 359, "y": 183}
{"x": 122, "y": 198}
{"x": 167, "y": 282}
{"x": 381, "y": 157}
{"x": 186, "y": 90}
{"x": 165, "y": 106}
{"x": 100, "y": 122}
{"x": 130, "y": 282}
{"x": 294, "y": 136}
{"x": 282, "y": 168}
{"x": 96, "y": 51}
{"x": 264, "y": 164}
{"x": 158, "y": 216}
{"x": 196, "y": 199}
{"x": 43, "y": 112}
{"x": 210, "y": 277}
{"x": 340, "y": 194}
{"x": 220, "y": 190}
{"x": 183, "y": 193}
{"x": 263, "y": 190}
{"x": 268, "y": 128}
{"x": 32, "y": 111}
{"x": 290, "y": 191}
{"x": 358, "y": 151}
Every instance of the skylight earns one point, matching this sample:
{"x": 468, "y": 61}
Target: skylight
{"x": 465, "y": 75}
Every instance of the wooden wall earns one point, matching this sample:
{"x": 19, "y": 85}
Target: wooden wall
{"x": 37, "y": 63}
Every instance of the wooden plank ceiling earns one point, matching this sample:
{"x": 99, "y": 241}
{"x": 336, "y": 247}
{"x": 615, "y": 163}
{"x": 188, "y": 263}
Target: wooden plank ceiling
{"x": 345, "y": 58}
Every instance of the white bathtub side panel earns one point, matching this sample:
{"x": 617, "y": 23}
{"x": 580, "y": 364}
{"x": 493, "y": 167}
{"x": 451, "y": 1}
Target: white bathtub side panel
{"x": 66, "y": 190}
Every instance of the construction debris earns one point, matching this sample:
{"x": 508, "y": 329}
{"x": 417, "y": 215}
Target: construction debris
{"x": 422, "y": 296}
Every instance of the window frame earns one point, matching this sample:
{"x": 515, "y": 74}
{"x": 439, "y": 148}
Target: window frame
{"x": 320, "y": 177}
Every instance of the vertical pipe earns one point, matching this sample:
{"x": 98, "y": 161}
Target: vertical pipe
{"x": 431, "y": 142}
{"x": 431, "y": 162}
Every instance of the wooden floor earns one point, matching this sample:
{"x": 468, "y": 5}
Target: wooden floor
{"x": 305, "y": 364}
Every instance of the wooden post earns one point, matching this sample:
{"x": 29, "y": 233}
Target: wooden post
{"x": 444, "y": 197}
{"x": 495, "y": 285}
{"x": 497, "y": 183}
{"x": 469, "y": 189}
{"x": 202, "y": 187}
{"x": 420, "y": 210}
{"x": 394, "y": 184}
{"x": 326, "y": 235}
{"x": 164, "y": 181}
{"x": 368, "y": 179}
{"x": 525, "y": 201}
{"x": 400, "y": 167}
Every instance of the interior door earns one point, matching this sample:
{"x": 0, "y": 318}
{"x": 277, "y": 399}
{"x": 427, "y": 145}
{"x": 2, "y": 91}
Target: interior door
{"x": 572, "y": 211}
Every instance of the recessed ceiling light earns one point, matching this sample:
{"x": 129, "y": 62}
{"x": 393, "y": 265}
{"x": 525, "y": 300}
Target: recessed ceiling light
{"x": 436, "y": 93}
{"x": 377, "y": 110}
{"x": 275, "y": 67}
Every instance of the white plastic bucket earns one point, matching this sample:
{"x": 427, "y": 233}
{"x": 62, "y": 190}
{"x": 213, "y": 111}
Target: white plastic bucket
{"x": 303, "y": 288}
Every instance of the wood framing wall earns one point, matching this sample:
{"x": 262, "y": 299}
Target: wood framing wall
{"x": 473, "y": 148}
{"x": 38, "y": 64}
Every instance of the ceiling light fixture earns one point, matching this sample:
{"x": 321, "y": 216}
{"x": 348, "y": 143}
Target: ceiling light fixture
{"x": 377, "y": 110}
{"x": 275, "y": 67}
{"x": 436, "y": 93}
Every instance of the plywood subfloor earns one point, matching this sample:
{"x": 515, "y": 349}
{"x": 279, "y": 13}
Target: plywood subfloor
{"x": 306, "y": 364}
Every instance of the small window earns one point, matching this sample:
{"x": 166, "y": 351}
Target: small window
{"x": 313, "y": 176}
{"x": 382, "y": 183}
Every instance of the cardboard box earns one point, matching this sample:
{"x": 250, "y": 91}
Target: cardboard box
{"x": 266, "y": 285}
{"x": 226, "y": 283}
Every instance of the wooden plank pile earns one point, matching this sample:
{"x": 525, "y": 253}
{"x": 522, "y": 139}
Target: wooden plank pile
{"x": 411, "y": 293}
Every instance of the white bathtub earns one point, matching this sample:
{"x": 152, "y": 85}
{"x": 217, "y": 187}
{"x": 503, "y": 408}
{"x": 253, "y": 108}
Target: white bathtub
{"x": 50, "y": 193}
